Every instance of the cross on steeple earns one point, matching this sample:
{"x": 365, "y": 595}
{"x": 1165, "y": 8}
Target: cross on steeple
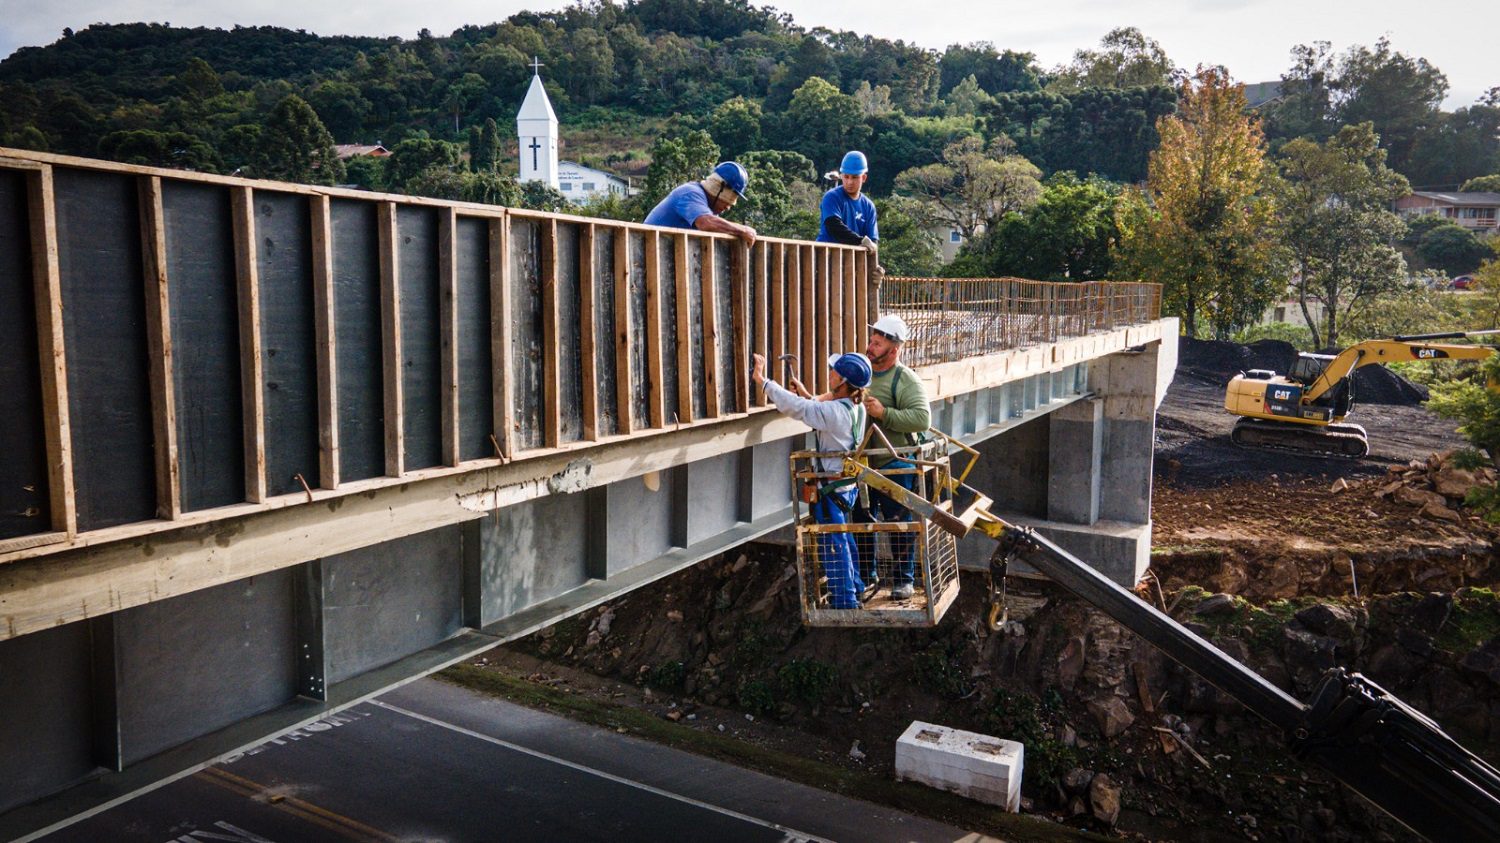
{"x": 535, "y": 145}
{"x": 536, "y": 66}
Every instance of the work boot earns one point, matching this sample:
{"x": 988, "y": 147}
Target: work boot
{"x": 902, "y": 591}
{"x": 873, "y": 586}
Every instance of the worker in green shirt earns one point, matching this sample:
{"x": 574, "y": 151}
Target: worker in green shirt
{"x": 897, "y": 404}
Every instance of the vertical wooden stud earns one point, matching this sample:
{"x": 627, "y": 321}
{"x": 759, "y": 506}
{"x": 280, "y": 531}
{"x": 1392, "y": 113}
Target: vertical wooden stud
{"x": 825, "y": 317}
{"x": 793, "y": 307}
{"x": 252, "y": 367}
{"x": 850, "y": 310}
{"x": 777, "y": 293}
{"x": 812, "y": 367}
{"x": 624, "y": 384}
{"x": 739, "y": 279}
{"x": 159, "y": 348}
{"x": 325, "y": 337}
{"x": 836, "y": 301}
{"x": 47, "y": 281}
{"x": 390, "y": 340}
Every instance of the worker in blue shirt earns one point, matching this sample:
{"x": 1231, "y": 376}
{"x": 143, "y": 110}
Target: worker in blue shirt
{"x": 701, "y": 204}
{"x": 848, "y": 216}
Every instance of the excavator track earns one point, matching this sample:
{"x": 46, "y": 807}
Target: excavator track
{"x": 1343, "y": 441}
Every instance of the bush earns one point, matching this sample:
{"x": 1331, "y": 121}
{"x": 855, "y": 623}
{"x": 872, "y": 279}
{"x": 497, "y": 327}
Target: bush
{"x": 808, "y": 680}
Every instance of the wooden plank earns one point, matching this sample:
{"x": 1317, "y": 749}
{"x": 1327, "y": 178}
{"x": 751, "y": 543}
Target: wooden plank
{"x": 500, "y": 352}
{"x": 448, "y": 333}
{"x": 159, "y": 349}
{"x": 793, "y": 309}
{"x": 624, "y": 386}
{"x": 252, "y": 366}
{"x": 739, "y": 278}
{"x": 390, "y": 340}
{"x": 812, "y": 369}
{"x": 710, "y": 321}
{"x": 825, "y": 316}
{"x": 684, "y": 331}
{"x": 852, "y": 339}
{"x": 47, "y": 281}
{"x": 325, "y": 339}
{"x": 862, "y": 296}
{"x": 836, "y": 301}
{"x": 776, "y": 292}
{"x": 656, "y": 400}
{"x": 588, "y": 343}
{"x": 551, "y": 362}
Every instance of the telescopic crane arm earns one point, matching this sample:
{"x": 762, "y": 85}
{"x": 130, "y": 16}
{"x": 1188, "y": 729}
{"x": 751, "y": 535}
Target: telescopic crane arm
{"x": 1353, "y": 729}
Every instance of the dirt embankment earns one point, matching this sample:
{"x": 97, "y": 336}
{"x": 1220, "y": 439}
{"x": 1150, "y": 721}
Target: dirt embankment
{"x": 1289, "y": 564}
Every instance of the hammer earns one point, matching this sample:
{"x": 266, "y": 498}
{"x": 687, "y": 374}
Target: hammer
{"x": 790, "y": 362}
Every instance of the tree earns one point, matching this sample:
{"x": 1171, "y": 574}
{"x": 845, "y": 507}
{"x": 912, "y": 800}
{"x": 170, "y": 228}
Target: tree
{"x": 1126, "y": 58}
{"x": 779, "y": 178}
{"x": 484, "y": 157}
{"x": 906, "y": 246}
{"x": 341, "y": 107}
{"x": 822, "y": 123}
{"x": 413, "y": 156}
{"x": 1106, "y": 131}
{"x": 199, "y": 80}
{"x": 973, "y": 187}
{"x": 1333, "y": 216}
{"x": 1399, "y": 95}
{"x": 873, "y": 101}
{"x": 160, "y": 149}
{"x": 735, "y": 126}
{"x": 686, "y": 155}
{"x": 1482, "y": 184}
{"x": 1198, "y": 228}
{"x": 462, "y": 95}
{"x": 295, "y": 146}
{"x": 1453, "y": 249}
{"x": 1066, "y": 236}
{"x": 996, "y": 72}
{"x": 968, "y": 98}
{"x": 1303, "y": 107}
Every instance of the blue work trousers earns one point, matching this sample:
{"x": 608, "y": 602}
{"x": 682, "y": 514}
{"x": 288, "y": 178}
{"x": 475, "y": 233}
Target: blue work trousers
{"x": 836, "y": 550}
{"x": 903, "y": 545}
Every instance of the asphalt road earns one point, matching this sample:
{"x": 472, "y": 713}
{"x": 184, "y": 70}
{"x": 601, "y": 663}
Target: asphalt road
{"x": 432, "y": 762}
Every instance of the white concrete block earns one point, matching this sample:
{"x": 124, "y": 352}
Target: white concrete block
{"x": 977, "y": 766}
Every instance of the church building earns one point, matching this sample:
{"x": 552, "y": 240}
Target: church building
{"x": 536, "y": 127}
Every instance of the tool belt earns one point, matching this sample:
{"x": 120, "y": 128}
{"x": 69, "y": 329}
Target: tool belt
{"x": 812, "y": 491}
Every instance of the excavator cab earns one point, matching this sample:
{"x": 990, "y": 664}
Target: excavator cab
{"x": 1307, "y": 367}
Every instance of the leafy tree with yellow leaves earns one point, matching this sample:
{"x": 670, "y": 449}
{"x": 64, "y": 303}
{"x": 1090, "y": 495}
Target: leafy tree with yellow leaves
{"x": 1198, "y": 226}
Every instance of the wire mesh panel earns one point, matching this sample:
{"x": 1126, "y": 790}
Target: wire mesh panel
{"x": 863, "y": 560}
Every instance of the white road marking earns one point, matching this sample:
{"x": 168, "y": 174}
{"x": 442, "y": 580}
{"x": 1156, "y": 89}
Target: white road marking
{"x": 791, "y": 834}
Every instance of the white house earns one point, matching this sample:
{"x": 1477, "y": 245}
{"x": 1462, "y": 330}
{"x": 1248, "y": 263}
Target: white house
{"x": 580, "y": 184}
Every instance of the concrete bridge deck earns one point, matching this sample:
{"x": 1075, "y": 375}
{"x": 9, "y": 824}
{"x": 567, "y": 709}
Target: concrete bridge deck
{"x": 269, "y": 449}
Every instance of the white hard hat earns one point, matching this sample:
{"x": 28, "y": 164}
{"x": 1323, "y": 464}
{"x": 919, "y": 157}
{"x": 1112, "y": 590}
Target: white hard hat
{"x": 891, "y": 326}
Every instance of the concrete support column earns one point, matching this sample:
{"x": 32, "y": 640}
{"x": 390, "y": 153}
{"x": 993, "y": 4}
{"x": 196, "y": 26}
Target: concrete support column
{"x": 1127, "y": 384}
{"x": 1073, "y": 462}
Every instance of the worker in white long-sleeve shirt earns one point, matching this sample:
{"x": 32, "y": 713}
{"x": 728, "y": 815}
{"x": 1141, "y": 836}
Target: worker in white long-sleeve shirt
{"x": 838, "y": 418}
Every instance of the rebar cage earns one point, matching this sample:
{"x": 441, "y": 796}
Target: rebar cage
{"x": 884, "y": 538}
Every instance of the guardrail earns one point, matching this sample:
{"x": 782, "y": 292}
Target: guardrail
{"x": 954, "y": 318}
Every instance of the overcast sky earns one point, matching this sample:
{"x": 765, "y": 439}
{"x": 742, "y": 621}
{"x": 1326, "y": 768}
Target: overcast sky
{"x": 1252, "y": 38}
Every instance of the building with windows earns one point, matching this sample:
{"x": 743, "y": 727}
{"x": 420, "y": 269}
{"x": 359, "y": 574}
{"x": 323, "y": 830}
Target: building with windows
{"x": 580, "y": 184}
{"x": 1477, "y": 212}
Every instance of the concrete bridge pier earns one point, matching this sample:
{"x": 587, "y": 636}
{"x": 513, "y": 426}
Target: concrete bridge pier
{"x": 1081, "y": 473}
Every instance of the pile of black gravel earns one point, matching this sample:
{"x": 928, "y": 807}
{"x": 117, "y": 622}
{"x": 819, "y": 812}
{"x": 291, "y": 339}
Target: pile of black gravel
{"x": 1218, "y": 361}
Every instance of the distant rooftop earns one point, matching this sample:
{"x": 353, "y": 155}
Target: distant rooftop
{"x": 1464, "y": 199}
{"x": 354, "y": 150}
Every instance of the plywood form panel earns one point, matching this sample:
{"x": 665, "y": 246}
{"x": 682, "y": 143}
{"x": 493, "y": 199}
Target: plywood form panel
{"x": 588, "y": 351}
{"x": 570, "y": 276}
{"x": 252, "y": 360}
{"x": 607, "y": 365}
{"x": 288, "y": 336}
{"x": 723, "y": 360}
{"x": 448, "y": 329}
{"x": 651, "y": 384}
{"x": 673, "y": 368}
{"x": 710, "y": 327}
{"x": 627, "y": 314}
{"x": 104, "y": 325}
{"x": 206, "y": 344}
{"x": 25, "y": 502}
{"x": 526, "y": 332}
{"x": 421, "y": 337}
{"x": 357, "y": 336}
{"x": 476, "y": 409}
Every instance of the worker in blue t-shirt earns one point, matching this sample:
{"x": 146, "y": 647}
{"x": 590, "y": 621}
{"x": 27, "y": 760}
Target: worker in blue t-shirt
{"x": 848, "y": 216}
{"x": 701, "y": 204}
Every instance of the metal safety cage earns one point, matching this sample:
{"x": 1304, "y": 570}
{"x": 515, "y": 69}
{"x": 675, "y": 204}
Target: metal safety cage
{"x": 878, "y": 539}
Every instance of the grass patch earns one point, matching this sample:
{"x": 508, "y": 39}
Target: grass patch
{"x": 902, "y": 796}
{"x": 1474, "y": 620}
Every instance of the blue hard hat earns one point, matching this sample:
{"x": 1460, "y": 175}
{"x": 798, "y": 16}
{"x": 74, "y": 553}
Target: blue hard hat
{"x": 733, "y": 175}
{"x": 852, "y": 367}
{"x": 854, "y": 164}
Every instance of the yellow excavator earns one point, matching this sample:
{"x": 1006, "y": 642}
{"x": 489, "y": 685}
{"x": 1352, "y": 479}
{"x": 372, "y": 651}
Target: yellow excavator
{"x": 1304, "y": 409}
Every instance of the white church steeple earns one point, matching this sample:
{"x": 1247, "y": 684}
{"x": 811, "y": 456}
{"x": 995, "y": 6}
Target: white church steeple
{"x": 536, "y": 125}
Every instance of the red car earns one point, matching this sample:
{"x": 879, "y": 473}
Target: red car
{"x": 1462, "y": 282}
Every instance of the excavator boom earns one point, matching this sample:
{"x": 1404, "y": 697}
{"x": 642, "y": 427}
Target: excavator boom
{"x": 1354, "y": 730}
